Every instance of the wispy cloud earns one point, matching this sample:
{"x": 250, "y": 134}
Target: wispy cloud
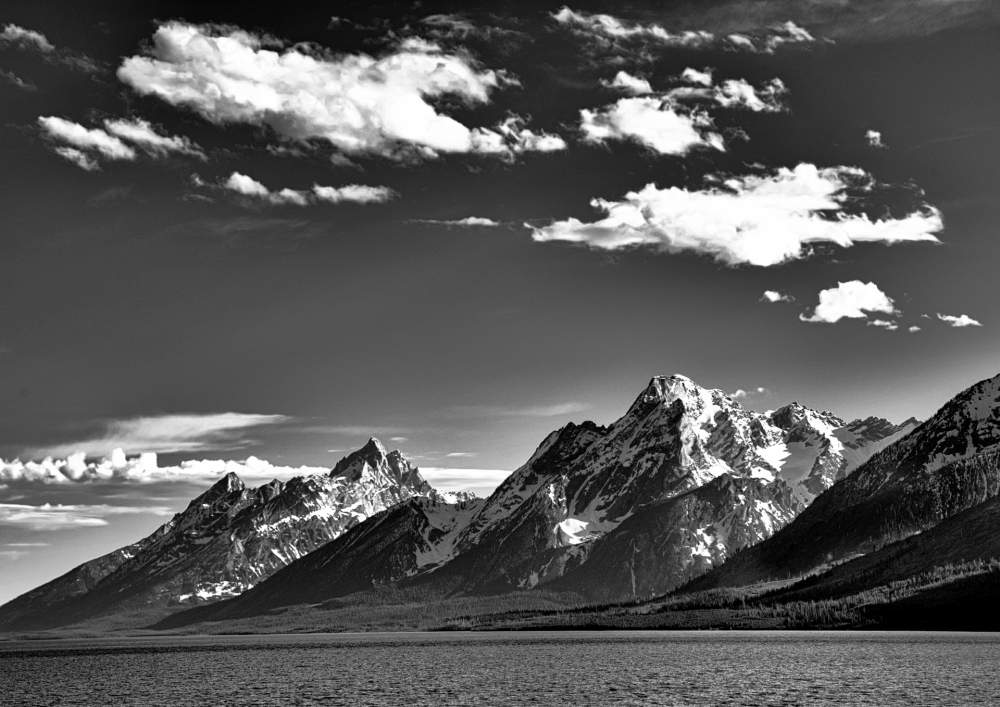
{"x": 480, "y": 481}
{"x": 11, "y": 77}
{"x": 166, "y": 433}
{"x": 753, "y": 220}
{"x": 740, "y": 394}
{"x": 28, "y": 39}
{"x": 852, "y": 300}
{"x": 62, "y": 517}
{"x": 962, "y": 320}
{"x": 466, "y": 222}
{"x": 25, "y": 39}
{"x": 555, "y": 410}
{"x": 86, "y": 146}
{"x": 140, "y": 132}
{"x": 458, "y": 455}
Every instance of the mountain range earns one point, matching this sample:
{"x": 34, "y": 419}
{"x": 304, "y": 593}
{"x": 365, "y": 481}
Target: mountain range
{"x": 688, "y": 492}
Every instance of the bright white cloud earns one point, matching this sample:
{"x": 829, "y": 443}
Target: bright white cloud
{"x": 601, "y": 26}
{"x": 628, "y": 83}
{"x": 737, "y": 93}
{"x": 959, "y": 321}
{"x": 354, "y": 193}
{"x": 741, "y": 394}
{"x": 913, "y": 329}
{"x": 755, "y": 220}
{"x": 884, "y": 324}
{"x": 852, "y": 300}
{"x": 351, "y": 193}
{"x": 141, "y": 133}
{"x": 62, "y": 517}
{"x": 510, "y": 138}
{"x": 455, "y": 455}
{"x": 466, "y": 222}
{"x": 167, "y": 433}
{"x": 874, "y": 138}
{"x": 769, "y": 40}
{"x": 27, "y": 38}
{"x": 97, "y": 140}
{"x": 357, "y": 103}
{"x": 773, "y": 296}
{"x": 656, "y": 122}
{"x": 609, "y": 30}
{"x": 694, "y": 76}
{"x": 117, "y": 468}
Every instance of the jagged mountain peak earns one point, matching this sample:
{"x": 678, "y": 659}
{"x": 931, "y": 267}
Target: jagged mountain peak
{"x": 228, "y": 484}
{"x": 788, "y": 416}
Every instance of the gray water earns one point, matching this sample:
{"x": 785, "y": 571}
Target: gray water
{"x": 545, "y": 668}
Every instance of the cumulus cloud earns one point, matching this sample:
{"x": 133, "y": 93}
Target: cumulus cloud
{"x": 357, "y": 103}
{"x": 737, "y": 93}
{"x": 852, "y": 300}
{"x": 754, "y": 220}
{"x": 884, "y": 324}
{"x": 874, "y": 138}
{"x": 665, "y": 122}
{"x": 773, "y": 296}
{"x": 510, "y": 138}
{"x": 913, "y": 329}
{"x": 167, "y": 433}
{"x": 694, "y": 76}
{"x": 628, "y": 83}
{"x": 351, "y": 193}
{"x": 959, "y": 321}
{"x": 116, "y": 467}
{"x": 141, "y": 133}
{"x": 656, "y": 122}
{"x": 61, "y": 517}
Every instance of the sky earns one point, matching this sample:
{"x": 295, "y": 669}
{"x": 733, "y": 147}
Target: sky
{"x": 259, "y": 237}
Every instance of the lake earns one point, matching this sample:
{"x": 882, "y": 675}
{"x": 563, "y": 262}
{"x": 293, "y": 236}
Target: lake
{"x": 545, "y": 668}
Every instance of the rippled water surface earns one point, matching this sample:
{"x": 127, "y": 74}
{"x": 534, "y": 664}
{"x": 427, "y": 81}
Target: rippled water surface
{"x": 567, "y": 668}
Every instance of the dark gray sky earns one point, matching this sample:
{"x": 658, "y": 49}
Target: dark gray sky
{"x": 161, "y": 293}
